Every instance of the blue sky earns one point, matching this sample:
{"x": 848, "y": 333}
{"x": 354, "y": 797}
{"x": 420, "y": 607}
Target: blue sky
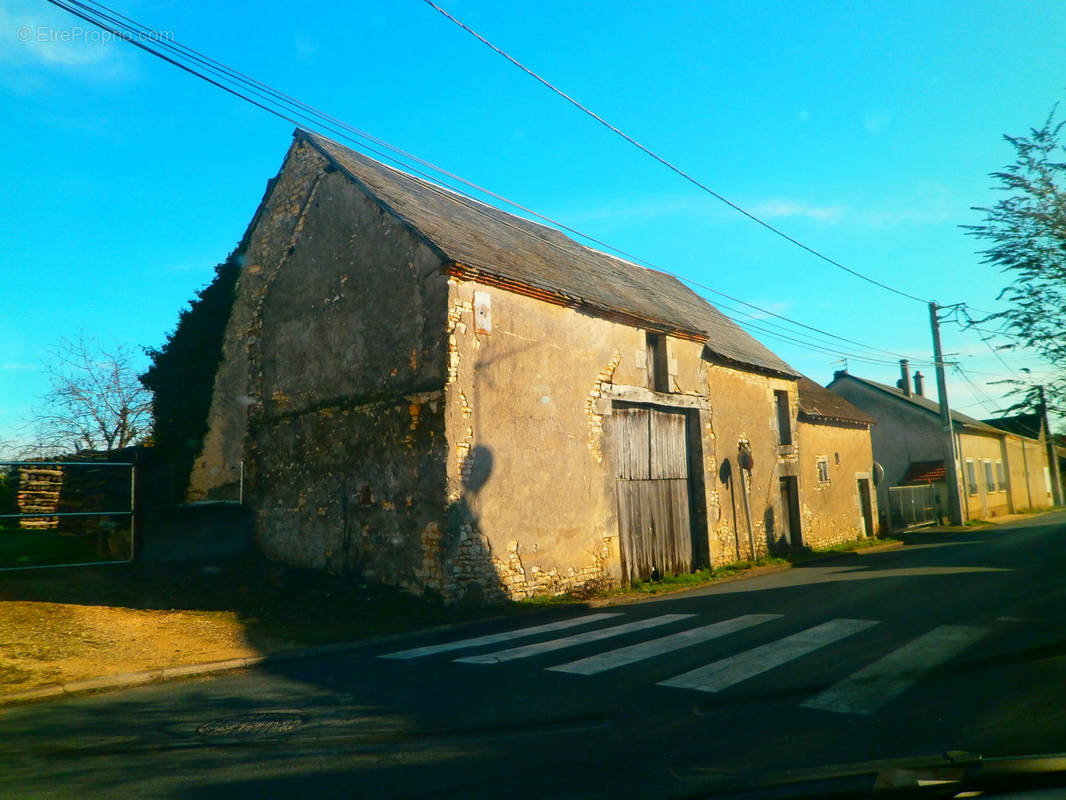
{"x": 867, "y": 130}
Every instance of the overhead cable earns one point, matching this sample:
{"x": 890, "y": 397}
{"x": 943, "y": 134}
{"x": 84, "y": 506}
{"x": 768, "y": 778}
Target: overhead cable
{"x": 671, "y": 166}
{"x": 293, "y": 109}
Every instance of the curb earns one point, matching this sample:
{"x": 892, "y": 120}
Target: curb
{"x": 129, "y": 680}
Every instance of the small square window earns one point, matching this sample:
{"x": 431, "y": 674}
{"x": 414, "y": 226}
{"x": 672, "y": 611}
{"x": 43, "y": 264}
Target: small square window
{"x": 823, "y": 469}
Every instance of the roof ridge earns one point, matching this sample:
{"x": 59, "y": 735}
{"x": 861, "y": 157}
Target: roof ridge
{"x": 893, "y": 391}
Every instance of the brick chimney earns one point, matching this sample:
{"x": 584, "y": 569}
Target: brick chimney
{"x": 905, "y": 377}
{"x": 919, "y": 383}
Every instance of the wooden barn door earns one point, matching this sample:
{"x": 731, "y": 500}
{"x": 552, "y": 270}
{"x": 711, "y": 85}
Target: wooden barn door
{"x": 652, "y": 486}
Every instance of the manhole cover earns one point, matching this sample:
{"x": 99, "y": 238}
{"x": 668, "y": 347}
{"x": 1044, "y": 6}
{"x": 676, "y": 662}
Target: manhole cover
{"x": 255, "y": 724}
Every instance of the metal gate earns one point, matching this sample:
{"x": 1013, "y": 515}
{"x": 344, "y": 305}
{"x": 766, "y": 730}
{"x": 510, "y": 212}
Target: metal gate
{"x": 652, "y": 490}
{"x": 912, "y": 506}
{"x": 65, "y": 513}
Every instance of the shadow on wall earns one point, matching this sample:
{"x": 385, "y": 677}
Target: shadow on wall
{"x": 725, "y": 476}
{"x": 777, "y": 535}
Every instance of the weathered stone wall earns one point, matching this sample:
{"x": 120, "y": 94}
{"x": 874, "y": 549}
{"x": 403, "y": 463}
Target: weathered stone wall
{"x": 831, "y": 510}
{"x": 744, "y": 415}
{"x": 276, "y": 230}
{"x": 530, "y": 482}
{"x": 331, "y": 388}
{"x": 347, "y": 364}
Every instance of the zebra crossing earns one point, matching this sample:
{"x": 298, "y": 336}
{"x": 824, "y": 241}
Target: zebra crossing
{"x": 865, "y": 691}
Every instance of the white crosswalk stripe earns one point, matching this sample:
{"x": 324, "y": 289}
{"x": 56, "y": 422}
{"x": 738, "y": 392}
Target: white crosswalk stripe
{"x": 729, "y": 671}
{"x": 865, "y": 691}
{"x": 873, "y": 687}
{"x": 496, "y": 638}
{"x": 601, "y": 662}
{"x": 572, "y": 641}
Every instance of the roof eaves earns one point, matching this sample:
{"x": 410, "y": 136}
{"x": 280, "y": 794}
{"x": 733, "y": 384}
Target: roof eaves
{"x": 815, "y": 416}
{"x": 552, "y": 295}
{"x": 712, "y": 355}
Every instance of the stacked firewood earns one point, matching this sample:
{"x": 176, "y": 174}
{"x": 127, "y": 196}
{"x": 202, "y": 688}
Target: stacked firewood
{"x": 39, "y": 489}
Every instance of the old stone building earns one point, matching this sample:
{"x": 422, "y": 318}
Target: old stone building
{"x": 836, "y": 463}
{"x": 427, "y": 391}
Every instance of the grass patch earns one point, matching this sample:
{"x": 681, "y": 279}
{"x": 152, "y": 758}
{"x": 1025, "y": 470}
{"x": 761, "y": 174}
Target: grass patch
{"x": 665, "y": 585}
{"x": 276, "y": 605}
{"x": 705, "y": 577}
{"x": 801, "y": 555}
{"x": 21, "y": 547}
{"x": 702, "y": 577}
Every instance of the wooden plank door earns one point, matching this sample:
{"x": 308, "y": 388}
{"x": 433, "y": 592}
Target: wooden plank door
{"x": 652, "y": 490}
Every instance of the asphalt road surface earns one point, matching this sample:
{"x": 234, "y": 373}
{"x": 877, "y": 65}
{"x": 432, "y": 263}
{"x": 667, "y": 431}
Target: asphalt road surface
{"x": 954, "y": 642}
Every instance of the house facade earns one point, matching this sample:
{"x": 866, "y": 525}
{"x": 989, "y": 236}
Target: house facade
{"x": 429, "y": 392}
{"x": 836, "y": 463}
{"x": 999, "y": 472}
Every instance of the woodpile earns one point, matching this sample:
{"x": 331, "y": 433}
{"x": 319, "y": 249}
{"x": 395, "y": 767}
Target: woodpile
{"x": 39, "y": 490}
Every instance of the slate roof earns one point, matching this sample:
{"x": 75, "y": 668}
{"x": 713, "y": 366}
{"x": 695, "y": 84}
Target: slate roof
{"x": 922, "y": 402}
{"x": 818, "y": 403}
{"x": 479, "y": 236}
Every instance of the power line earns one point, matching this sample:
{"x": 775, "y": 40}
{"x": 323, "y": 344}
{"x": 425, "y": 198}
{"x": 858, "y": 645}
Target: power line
{"x": 990, "y": 404}
{"x": 985, "y": 339}
{"x": 94, "y": 12}
{"x": 669, "y": 165}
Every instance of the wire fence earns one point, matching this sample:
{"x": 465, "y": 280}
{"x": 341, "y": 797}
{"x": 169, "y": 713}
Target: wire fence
{"x": 66, "y": 513}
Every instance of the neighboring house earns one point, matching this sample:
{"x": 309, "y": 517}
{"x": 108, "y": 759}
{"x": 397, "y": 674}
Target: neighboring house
{"x": 836, "y": 467}
{"x": 999, "y": 472}
{"x": 1027, "y": 429}
{"x": 432, "y": 393}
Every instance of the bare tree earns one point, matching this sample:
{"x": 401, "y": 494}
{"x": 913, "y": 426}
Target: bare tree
{"x": 96, "y": 401}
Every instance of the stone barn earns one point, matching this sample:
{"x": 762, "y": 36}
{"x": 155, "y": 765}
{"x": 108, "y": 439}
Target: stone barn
{"x": 429, "y": 392}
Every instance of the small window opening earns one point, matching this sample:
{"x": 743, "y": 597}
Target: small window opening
{"x": 658, "y": 365}
{"x": 823, "y": 469}
{"x": 784, "y": 418}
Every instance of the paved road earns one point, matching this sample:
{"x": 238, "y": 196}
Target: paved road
{"x": 953, "y": 643}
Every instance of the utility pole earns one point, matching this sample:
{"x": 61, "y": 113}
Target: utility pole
{"x": 951, "y": 475}
{"x": 1052, "y": 458}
